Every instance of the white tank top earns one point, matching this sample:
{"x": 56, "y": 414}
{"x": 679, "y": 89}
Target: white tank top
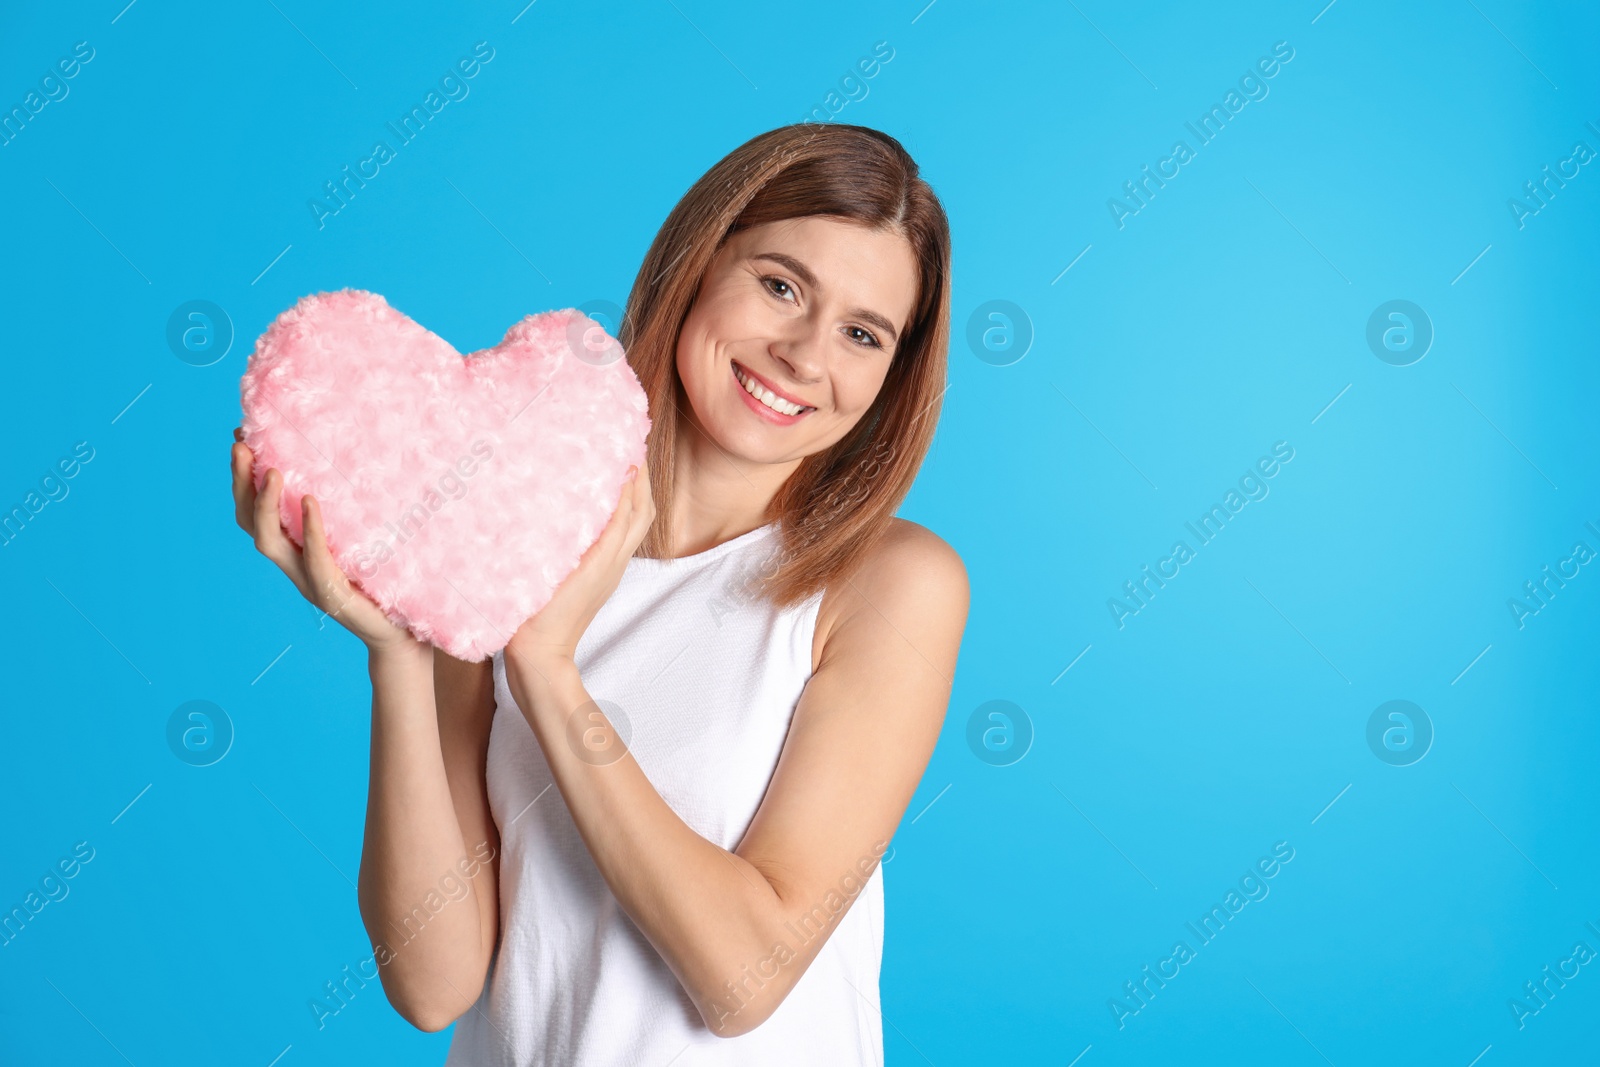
{"x": 707, "y": 676}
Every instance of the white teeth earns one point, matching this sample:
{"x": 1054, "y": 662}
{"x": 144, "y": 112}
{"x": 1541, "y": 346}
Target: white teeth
{"x": 766, "y": 396}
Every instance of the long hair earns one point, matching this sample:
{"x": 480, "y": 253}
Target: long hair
{"x": 837, "y": 502}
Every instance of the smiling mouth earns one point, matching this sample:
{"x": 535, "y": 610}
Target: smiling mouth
{"x": 766, "y": 397}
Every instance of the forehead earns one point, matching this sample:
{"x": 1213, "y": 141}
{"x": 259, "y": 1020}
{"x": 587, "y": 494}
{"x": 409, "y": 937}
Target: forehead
{"x": 853, "y": 263}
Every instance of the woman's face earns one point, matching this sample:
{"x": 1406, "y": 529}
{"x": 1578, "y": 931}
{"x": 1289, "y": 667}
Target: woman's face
{"x": 811, "y": 310}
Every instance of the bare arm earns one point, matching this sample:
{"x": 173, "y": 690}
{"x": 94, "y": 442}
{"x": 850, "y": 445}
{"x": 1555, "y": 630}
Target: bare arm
{"x": 428, "y": 887}
{"x": 866, "y": 724}
{"x": 430, "y": 858}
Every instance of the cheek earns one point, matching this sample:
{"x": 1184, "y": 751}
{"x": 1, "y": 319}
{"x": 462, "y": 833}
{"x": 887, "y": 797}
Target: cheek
{"x": 857, "y": 384}
{"x": 693, "y": 350}
{"x": 720, "y": 320}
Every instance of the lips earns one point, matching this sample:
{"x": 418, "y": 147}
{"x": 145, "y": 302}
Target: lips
{"x": 741, "y": 374}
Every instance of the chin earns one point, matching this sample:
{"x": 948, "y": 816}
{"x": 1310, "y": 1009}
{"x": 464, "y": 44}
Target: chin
{"x": 753, "y": 448}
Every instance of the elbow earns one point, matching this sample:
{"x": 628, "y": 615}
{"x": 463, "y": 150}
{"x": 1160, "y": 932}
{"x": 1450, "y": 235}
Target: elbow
{"x": 429, "y": 1006}
{"x": 739, "y": 1006}
{"x": 740, "y": 979}
{"x": 430, "y": 1024}
{"x": 429, "y": 1017}
{"x": 736, "y": 1021}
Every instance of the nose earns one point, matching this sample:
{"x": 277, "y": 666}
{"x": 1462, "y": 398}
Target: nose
{"x": 801, "y": 352}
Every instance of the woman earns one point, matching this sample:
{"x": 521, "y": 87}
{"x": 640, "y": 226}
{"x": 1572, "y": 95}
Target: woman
{"x": 736, "y": 692}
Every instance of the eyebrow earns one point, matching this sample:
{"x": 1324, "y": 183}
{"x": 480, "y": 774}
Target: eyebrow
{"x": 803, "y": 272}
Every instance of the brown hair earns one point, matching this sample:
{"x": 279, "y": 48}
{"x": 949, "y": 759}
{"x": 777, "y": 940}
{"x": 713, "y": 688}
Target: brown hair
{"x": 838, "y": 502}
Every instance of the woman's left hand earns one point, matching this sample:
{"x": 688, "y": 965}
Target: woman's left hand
{"x": 554, "y": 632}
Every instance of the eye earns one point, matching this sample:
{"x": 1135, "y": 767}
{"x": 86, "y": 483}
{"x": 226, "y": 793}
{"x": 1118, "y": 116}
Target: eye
{"x": 871, "y": 339}
{"x": 772, "y": 280}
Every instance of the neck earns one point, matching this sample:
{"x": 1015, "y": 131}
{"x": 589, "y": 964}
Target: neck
{"x": 717, "y": 496}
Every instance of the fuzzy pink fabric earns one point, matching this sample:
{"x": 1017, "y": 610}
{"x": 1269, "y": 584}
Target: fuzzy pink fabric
{"x": 457, "y": 493}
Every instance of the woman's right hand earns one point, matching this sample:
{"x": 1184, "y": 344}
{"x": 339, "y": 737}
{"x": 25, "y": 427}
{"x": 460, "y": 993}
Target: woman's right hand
{"x": 312, "y": 568}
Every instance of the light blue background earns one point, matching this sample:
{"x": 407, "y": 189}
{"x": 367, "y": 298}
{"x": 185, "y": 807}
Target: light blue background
{"x": 1225, "y": 316}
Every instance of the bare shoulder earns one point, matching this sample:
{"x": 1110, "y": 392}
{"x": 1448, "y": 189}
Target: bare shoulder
{"x": 912, "y": 581}
{"x": 911, "y": 563}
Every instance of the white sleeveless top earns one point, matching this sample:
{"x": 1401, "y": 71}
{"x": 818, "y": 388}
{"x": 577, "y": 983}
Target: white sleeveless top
{"x": 707, "y": 676}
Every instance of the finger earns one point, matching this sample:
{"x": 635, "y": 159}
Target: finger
{"x": 244, "y": 488}
{"x": 645, "y": 490}
{"x": 639, "y": 484}
{"x": 271, "y": 541}
{"x": 623, "y": 515}
{"x": 621, "y": 519}
{"x": 314, "y": 552}
{"x": 238, "y": 433}
{"x": 610, "y": 539}
{"x": 644, "y": 507}
{"x": 328, "y": 583}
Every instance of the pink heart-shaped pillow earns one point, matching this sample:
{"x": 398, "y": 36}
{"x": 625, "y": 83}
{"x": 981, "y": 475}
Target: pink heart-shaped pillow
{"x": 456, "y": 493}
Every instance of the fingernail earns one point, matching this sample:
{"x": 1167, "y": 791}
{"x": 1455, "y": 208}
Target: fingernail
{"x": 632, "y": 471}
